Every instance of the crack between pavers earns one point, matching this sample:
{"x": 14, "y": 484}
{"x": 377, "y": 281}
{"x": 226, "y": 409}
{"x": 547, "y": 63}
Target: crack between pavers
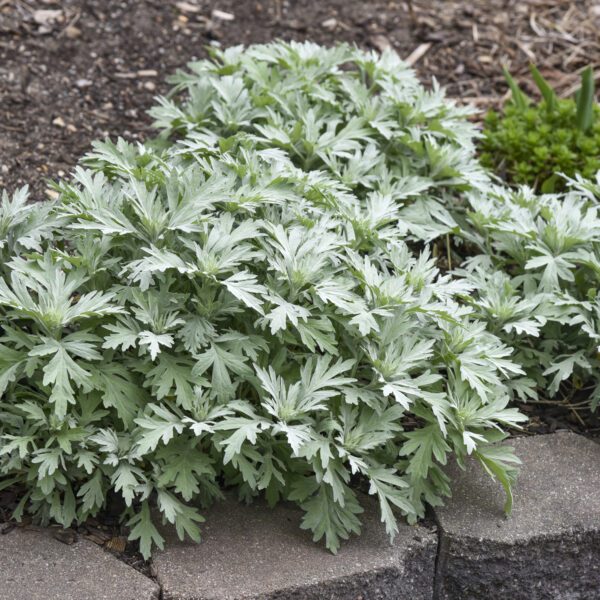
{"x": 154, "y": 577}
{"x": 441, "y": 561}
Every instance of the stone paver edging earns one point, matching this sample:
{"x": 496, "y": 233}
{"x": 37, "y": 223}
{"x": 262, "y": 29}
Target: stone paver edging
{"x": 548, "y": 549}
{"x": 257, "y": 553}
{"x": 35, "y": 566}
{"x": 550, "y": 545}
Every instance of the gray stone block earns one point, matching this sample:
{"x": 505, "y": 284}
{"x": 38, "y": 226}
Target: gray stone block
{"x": 548, "y": 548}
{"x": 253, "y": 552}
{"x": 35, "y": 566}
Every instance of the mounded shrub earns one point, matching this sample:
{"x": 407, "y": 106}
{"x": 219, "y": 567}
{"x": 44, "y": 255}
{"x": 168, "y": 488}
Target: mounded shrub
{"x": 249, "y": 302}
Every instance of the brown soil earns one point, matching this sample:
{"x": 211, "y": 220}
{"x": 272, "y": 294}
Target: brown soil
{"x": 72, "y": 71}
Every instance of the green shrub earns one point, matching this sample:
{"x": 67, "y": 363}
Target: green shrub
{"x": 249, "y": 304}
{"x": 537, "y": 284}
{"x": 530, "y": 144}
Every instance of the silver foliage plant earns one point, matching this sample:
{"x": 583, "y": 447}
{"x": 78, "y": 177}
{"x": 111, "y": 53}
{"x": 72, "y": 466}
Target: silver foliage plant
{"x": 536, "y": 281}
{"x": 250, "y": 302}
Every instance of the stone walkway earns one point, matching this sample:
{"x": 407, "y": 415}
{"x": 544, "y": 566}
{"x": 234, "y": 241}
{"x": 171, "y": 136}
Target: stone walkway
{"x": 548, "y": 549}
{"x": 256, "y": 552}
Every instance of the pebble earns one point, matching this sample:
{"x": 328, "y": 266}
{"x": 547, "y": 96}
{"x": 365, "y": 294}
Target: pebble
{"x": 187, "y": 7}
{"x": 43, "y": 16}
{"x": 329, "y": 24}
{"x": 222, "y": 15}
{"x": 58, "y": 121}
{"x": 72, "y": 32}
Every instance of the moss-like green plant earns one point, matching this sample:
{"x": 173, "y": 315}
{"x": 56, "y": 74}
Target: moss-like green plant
{"x": 531, "y": 143}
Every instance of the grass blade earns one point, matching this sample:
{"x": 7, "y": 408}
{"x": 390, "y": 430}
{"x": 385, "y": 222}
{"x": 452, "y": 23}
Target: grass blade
{"x": 519, "y": 98}
{"x": 545, "y": 89}
{"x": 585, "y": 100}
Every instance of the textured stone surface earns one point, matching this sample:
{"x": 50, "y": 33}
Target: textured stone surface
{"x": 35, "y": 566}
{"x": 252, "y": 552}
{"x": 548, "y": 548}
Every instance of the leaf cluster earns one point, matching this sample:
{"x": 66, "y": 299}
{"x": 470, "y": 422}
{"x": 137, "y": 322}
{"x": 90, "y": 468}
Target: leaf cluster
{"x": 536, "y": 282}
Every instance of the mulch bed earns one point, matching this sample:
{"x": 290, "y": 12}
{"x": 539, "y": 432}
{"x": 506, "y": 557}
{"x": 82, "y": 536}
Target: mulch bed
{"x": 72, "y": 71}
{"x": 552, "y": 416}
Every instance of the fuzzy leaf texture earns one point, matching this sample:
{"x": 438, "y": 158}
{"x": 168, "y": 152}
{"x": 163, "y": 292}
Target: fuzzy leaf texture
{"x": 251, "y": 302}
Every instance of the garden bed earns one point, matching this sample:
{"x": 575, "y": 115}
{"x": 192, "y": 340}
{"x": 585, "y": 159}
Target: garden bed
{"x": 91, "y": 69}
{"x": 105, "y": 91}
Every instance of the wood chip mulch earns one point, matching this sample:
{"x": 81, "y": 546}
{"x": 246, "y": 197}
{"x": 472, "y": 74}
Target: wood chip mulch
{"x": 76, "y": 70}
